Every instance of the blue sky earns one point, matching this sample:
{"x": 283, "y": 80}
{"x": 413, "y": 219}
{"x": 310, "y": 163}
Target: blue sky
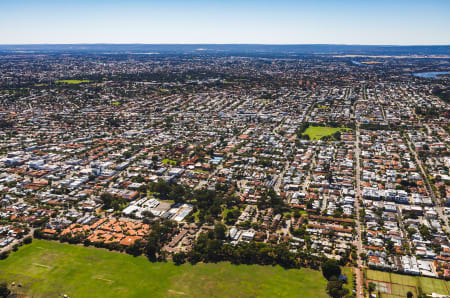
{"x": 232, "y": 21}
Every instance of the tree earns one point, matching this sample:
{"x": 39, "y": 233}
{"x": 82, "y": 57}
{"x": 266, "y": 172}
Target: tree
{"x": 179, "y": 258}
{"x": 4, "y": 255}
{"x": 372, "y": 287}
{"x": 177, "y": 194}
{"x": 148, "y": 214}
{"x": 107, "y": 199}
{"x": 331, "y": 268}
{"x": 38, "y": 233}
{"x": 390, "y": 246}
{"x": 220, "y": 230}
{"x": 270, "y": 199}
{"x": 134, "y": 249}
{"x": 425, "y": 232}
{"x": 232, "y": 216}
{"x": 213, "y": 250}
{"x": 110, "y": 201}
{"x": 163, "y": 189}
{"x": 337, "y": 135}
{"x": 4, "y": 291}
{"x": 335, "y": 289}
{"x": 151, "y": 249}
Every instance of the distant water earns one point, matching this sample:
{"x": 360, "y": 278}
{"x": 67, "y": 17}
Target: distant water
{"x": 430, "y": 75}
{"x": 358, "y": 63}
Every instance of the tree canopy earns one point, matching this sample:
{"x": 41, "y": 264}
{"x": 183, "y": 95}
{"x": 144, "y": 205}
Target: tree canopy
{"x": 331, "y": 268}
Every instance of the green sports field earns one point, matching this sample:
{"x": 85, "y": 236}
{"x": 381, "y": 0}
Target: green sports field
{"x": 167, "y": 161}
{"x": 317, "y": 132}
{"x": 72, "y": 82}
{"x": 48, "y": 269}
{"x": 400, "y": 284}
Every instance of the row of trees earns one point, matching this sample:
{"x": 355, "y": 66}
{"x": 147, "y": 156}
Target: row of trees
{"x": 5, "y": 253}
{"x": 210, "y": 247}
{"x": 161, "y": 231}
{"x": 270, "y": 199}
{"x": 170, "y": 191}
{"x": 5, "y": 124}
{"x": 332, "y": 272}
{"x": 112, "y": 202}
{"x": 208, "y": 204}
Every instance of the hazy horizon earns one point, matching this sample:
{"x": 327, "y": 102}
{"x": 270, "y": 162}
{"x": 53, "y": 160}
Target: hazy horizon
{"x": 207, "y": 43}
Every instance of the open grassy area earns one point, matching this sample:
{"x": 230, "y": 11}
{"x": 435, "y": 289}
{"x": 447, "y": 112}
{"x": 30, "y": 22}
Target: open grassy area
{"x": 317, "y": 132}
{"x": 430, "y": 285}
{"x": 404, "y": 279}
{"x": 378, "y": 275}
{"x": 47, "y": 269}
{"x": 169, "y": 161}
{"x": 348, "y": 271}
{"x": 400, "y": 284}
{"x": 73, "y": 82}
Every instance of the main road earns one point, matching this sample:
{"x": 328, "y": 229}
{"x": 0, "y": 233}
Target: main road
{"x": 436, "y": 200}
{"x": 359, "y": 268}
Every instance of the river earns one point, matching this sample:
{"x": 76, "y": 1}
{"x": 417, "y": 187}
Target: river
{"x": 430, "y": 75}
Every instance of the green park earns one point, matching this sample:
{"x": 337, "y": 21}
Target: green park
{"x": 318, "y": 132}
{"x": 49, "y": 269}
{"x": 72, "y": 82}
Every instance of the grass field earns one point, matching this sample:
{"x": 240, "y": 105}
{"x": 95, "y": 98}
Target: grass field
{"x": 72, "y": 82}
{"x": 378, "y": 275}
{"x": 167, "y": 161}
{"x": 348, "y": 271}
{"x": 317, "y": 132}
{"x": 404, "y": 279}
{"x": 401, "y": 284}
{"x": 48, "y": 269}
{"x": 430, "y": 285}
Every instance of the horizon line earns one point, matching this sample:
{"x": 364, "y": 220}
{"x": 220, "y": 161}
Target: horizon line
{"x": 201, "y": 43}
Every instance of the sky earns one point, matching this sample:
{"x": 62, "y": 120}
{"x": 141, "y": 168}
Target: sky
{"x": 387, "y": 22}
